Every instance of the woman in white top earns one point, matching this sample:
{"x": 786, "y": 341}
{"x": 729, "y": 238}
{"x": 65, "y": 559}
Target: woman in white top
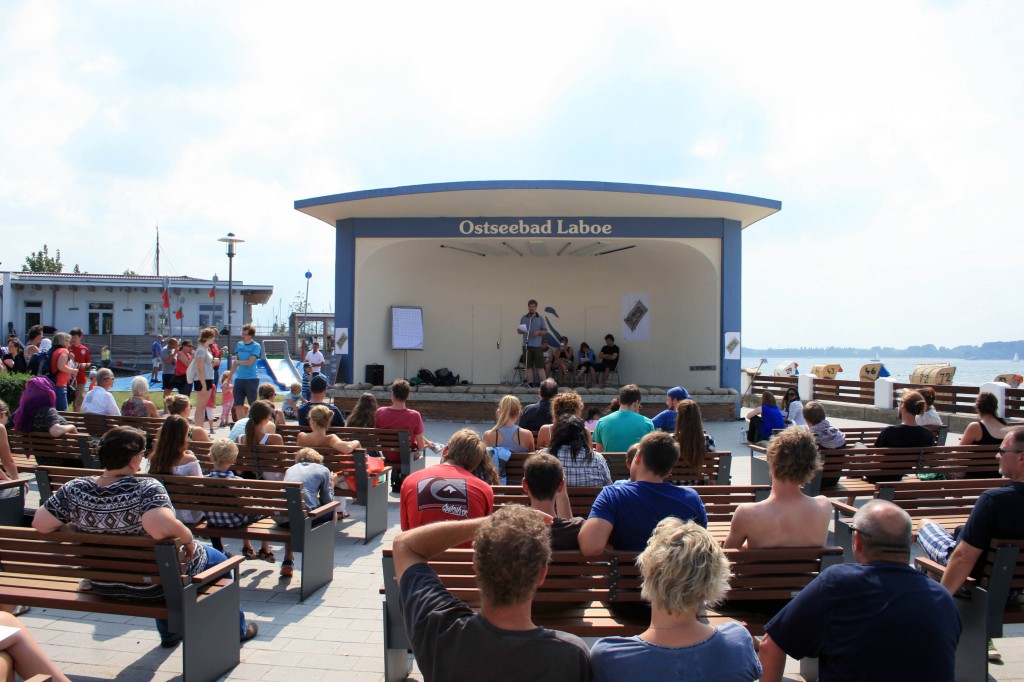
{"x": 793, "y": 409}
{"x": 172, "y": 456}
{"x": 204, "y": 376}
{"x": 931, "y": 416}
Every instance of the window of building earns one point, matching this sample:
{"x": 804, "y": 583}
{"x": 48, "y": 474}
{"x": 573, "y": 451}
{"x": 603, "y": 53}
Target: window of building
{"x": 157, "y": 319}
{"x": 33, "y": 313}
{"x": 210, "y": 315}
{"x": 101, "y": 318}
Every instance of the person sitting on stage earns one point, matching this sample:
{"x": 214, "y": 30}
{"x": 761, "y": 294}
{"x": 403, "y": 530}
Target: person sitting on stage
{"x": 609, "y": 359}
{"x": 788, "y": 518}
{"x": 585, "y": 365}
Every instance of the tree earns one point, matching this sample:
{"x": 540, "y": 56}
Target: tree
{"x": 129, "y": 271}
{"x": 40, "y": 261}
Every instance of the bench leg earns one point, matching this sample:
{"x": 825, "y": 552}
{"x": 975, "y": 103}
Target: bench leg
{"x": 972, "y": 649}
{"x": 397, "y": 660}
{"x": 210, "y": 637}
{"x": 809, "y": 669}
{"x": 844, "y": 538}
{"x": 317, "y": 559}
{"x": 376, "y": 511}
{"x": 759, "y": 471}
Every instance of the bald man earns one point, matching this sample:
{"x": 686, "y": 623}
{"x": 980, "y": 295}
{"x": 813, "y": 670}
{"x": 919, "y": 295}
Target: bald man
{"x": 877, "y": 619}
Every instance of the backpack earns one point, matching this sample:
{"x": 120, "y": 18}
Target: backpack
{"x": 444, "y": 377}
{"x": 427, "y": 377}
{"x": 41, "y": 365}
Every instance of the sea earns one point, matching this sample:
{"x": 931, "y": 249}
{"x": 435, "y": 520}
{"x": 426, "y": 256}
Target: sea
{"x": 968, "y": 372}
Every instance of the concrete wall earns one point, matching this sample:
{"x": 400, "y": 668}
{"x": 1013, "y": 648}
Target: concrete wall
{"x": 472, "y": 304}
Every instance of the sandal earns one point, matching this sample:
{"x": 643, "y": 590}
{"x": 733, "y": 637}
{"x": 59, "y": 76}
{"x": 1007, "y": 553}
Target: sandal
{"x": 267, "y": 556}
{"x": 287, "y": 568}
{"x": 249, "y": 553}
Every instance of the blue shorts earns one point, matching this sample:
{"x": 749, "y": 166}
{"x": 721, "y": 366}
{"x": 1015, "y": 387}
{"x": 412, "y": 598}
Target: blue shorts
{"x": 245, "y": 389}
{"x": 936, "y": 542}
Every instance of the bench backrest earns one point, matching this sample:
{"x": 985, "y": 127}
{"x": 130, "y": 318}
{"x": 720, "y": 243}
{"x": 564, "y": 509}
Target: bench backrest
{"x": 720, "y": 502}
{"x": 369, "y": 438}
{"x": 921, "y": 499}
{"x": 74, "y": 450}
{"x": 717, "y": 469}
{"x": 870, "y": 462}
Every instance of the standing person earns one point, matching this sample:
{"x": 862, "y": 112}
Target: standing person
{"x": 683, "y": 568}
{"x": 183, "y": 359}
{"x": 247, "y": 381}
{"x": 16, "y": 356}
{"x": 227, "y": 398}
{"x": 62, "y": 366}
{"x": 501, "y": 643}
{"x": 307, "y": 378}
{"x": 609, "y": 359}
{"x": 168, "y": 361}
{"x": 156, "y": 350}
{"x": 82, "y": 357}
{"x": 398, "y": 416}
{"x": 888, "y": 608}
{"x": 204, "y": 385}
{"x": 532, "y": 328}
{"x": 315, "y": 358}
{"x": 666, "y": 419}
{"x": 33, "y": 341}
{"x": 105, "y": 356}
{"x": 615, "y": 432}
{"x": 449, "y": 490}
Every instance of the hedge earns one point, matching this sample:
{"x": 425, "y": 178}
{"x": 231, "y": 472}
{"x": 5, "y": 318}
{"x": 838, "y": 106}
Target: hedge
{"x": 11, "y": 387}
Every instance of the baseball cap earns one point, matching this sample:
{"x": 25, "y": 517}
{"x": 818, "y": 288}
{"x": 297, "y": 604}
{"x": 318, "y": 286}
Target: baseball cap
{"x": 318, "y": 384}
{"x": 678, "y": 392}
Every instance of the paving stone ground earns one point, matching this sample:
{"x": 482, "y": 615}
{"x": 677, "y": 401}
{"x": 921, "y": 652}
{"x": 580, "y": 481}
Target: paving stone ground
{"x": 336, "y": 633}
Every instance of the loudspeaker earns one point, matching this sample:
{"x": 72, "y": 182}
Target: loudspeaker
{"x": 375, "y": 375}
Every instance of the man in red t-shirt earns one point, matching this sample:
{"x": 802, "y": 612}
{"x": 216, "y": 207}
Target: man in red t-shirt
{"x": 398, "y": 416}
{"x": 449, "y": 490}
{"x": 81, "y": 355}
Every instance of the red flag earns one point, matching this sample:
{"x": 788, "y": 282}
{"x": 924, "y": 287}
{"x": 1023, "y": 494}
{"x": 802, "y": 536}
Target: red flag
{"x": 178, "y": 314}
{"x": 166, "y": 300}
{"x": 212, "y": 290}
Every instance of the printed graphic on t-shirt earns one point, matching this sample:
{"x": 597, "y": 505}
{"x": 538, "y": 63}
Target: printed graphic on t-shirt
{"x": 447, "y": 495}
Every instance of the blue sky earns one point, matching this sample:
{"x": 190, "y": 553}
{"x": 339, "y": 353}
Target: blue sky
{"x": 889, "y": 131}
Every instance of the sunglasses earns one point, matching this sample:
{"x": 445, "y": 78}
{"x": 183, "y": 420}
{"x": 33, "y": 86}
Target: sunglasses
{"x": 1002, "y": 451}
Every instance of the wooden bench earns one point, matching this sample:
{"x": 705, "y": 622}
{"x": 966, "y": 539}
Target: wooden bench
{"x": 410, "y": 460}
{"x": 44, "y": 570}
{"x": 985, "y": 604}
{"x": 720, "y": 502}
{"x": 97, "y": 424}
{"x": 579, "y": 593}
{"x": 32, "y": 449}
{"x": 371, "y": 491}
{"x": 717, "y": 469}
{"x": 852, "y": 466}
{"x": 309, "y": 531}
{"x": 947, "y": 502}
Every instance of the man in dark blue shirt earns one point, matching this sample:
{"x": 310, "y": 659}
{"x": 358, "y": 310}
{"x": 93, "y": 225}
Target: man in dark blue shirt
{"x": 877, "y": 619}
{"x": 666, "y": 419}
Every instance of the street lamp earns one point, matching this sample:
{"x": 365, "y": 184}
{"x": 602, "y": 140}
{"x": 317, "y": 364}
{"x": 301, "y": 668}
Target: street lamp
{"x": 229, "y": 241}
{"x": 305, "y": 306}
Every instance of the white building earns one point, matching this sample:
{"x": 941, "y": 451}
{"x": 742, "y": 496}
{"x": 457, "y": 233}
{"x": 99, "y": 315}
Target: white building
{"x": 122, "y": 305}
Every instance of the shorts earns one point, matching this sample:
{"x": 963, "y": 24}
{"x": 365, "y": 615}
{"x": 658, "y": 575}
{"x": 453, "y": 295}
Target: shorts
{"x": 603, "y": 365}
{"x": 183, "y": 385}
{"x": 157, "y": 364}
{"x": 534, "y": 357}
{"x": 168, "y": 381}
{"x": 936, "y": 542}
{"x": 245, "y": 389}
{"x": 197, "y": 385}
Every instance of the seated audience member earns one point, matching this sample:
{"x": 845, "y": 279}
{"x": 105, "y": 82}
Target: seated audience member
{"x": 449, "y": 490}
{"x": 792, "y": 409}
{"x": 266, "y": 391}
{"x": 764, "y": 419}
{"x": 9, "y": 471}
{"x": 364, "y": 414}
{"x": 788, "y": 518}
{"x": 171, "y": 456}
{"x": 318, "y": 484}
{"x": 583, "y": 466}
{"x": 896, "y": 624}
{"x": 20, "y": 653}
{"x": 292, "y": 401}
{"x": 608, "y": 359}
{"x": 568, "y": 404}
{"x": 139, "y": 404}
{"x": 511, "y": 553}
{"x": 179, "y": 405}
{"x": 259, "y": 426}
{"x": 907, "y": 434}
{"x": 37, "y": 413}
{"x": 998, "y": 514}
{"x": 319, "y": 422}
{"x": 318, "y": 396}
{"x": 506, "y": 432}
{"x": 99, "y": 400}
{"x": 989, "y": 429}
{"x": 931, "y": 416}
{"x": 666, "y": 419}
{"x": 626, "y": 514}
{"x": 694, "y": 442}
{"x": 223, "y": 454}
{"x": 539, "y": 413}
{"x": 826, "y": 436}
{"x": 585, "y": 365}
{"x": 544, "y": 485}
{"x": 398, "y": 416}
{"x": 593, "y": 414}
{"x": 683, "y": 569}
{"x": 618, "y": 430}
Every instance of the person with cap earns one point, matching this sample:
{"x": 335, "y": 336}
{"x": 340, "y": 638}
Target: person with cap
{"x": 666, "y": 419}
{"x": 317, "y": 396}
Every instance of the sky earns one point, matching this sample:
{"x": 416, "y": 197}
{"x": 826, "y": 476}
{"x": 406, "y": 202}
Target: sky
{"x": 890, "y": 131}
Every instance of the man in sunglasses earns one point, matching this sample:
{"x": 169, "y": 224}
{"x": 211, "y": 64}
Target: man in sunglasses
{"x": 862, "y": 620}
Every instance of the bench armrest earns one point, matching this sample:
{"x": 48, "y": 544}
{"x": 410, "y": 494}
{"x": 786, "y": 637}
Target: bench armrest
{"x": 13, "y": 483}
{"x": 932, "y": 568}
{"x": 843, "y": 508}
{"x": 319, "y": 511}
{"x": 218, "y": 571}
